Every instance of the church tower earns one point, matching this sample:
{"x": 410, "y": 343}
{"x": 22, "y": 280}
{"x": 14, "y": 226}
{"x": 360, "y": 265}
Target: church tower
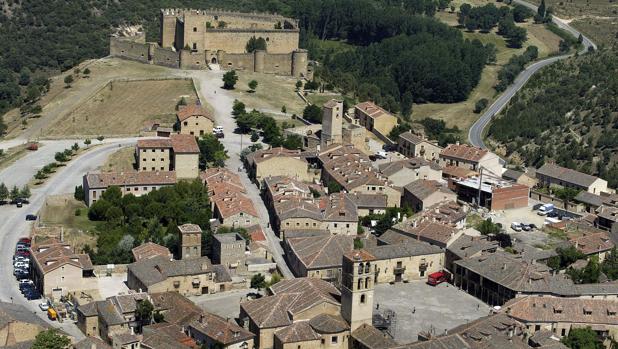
{"x": 190, "y": 241}
{"x": 332, "y": 123}
{"x": 358, "y": 272}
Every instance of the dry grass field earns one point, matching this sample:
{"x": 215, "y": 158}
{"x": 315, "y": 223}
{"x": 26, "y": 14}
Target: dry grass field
{"x": 121, "y": 160}
{"x": 272, "y": 93}
{"x": 59, "y": 211}
{"x": 603, "y": 31}
{"x": 123, "y": 108}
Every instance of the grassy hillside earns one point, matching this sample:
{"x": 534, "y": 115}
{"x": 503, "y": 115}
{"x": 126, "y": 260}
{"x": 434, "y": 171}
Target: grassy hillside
{"x": 568, "y": 112}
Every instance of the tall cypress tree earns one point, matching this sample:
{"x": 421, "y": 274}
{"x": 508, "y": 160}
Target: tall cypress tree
{"x": 541, "y": 10}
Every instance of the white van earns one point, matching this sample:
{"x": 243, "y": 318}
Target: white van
{"x": 516, "y": 226}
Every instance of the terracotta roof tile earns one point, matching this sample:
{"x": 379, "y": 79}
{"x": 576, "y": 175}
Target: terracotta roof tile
{"x": 52, "y": 256}
{"x": 182, "y": 143}
{"x": 194, "y": 110}
{"x": 149, "y": 250}
{"x": 464, "y": 152}
{"x": 103, "y": 180}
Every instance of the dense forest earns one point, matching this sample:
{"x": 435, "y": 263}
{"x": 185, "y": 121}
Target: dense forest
{"x": 568, "y": 112}
{"x": 398, "y": 42}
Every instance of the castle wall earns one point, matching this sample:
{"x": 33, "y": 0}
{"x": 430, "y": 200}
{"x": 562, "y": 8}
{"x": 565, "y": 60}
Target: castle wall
{"x": 168, "y": 30}
{"x": 278, "y": 64}
{"x": 238, "y": 61}
{"x": 235, "y": 40}
{"x": 192, "y": 60}
{"x": 128, "y": 49}
{"x": 165, "y": 57}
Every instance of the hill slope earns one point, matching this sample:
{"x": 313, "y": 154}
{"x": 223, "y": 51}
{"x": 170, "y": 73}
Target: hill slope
{"x": 568, "y": 113}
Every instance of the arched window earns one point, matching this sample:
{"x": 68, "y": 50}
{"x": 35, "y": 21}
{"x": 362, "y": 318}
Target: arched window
{"x": 360, "y": 268}
{"x": 360, "y": 284}
{"x": 366, "y": 282}
{"x": 367, "y": 266}
{"x": 362, "y": 299}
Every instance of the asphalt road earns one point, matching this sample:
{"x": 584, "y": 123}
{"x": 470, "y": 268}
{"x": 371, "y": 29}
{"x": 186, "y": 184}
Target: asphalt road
{"x": 475, "y": 134}
{"x": 12, "y": 219}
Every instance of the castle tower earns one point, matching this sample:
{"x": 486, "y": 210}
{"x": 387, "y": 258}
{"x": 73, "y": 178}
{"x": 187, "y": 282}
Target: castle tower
{"x": 332, "y": 123}
{"x": 358, "y": 272}
{"x": 190, "y": 241}
{"x": 299, "y": 63}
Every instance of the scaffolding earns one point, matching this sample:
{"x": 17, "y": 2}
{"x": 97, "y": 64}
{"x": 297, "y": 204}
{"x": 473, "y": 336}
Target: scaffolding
{"x": 385, "y": 321}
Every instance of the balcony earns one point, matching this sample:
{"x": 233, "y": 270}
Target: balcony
{"x": 399, "y": 270}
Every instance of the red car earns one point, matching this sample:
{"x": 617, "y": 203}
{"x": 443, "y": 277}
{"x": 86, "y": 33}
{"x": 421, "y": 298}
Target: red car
{"x": 25, "y": 241}
{"x": 438, "y": 277}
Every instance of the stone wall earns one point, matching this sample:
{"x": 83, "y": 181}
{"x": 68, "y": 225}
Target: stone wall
{"x": 192, "y": 60}
{"x": 164, "y": 56}
{"x": 128, "y": 49}
{"x": 235, "y": 40}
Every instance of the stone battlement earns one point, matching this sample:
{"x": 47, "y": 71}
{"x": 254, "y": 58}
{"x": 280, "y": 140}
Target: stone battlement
{"x": 273, "y": 17}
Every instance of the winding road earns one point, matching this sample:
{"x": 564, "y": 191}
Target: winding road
{"x": 475, "y": 134}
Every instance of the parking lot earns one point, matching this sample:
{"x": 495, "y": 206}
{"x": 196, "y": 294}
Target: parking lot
{"x": 226, "y": 304}
{"x": 524, "y": 215}
{"x": 420, "y": 307}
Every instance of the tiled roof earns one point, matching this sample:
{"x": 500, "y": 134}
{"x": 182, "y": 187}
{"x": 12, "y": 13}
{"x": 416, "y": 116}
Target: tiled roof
{"x": 463, "y": 152}
{"x": 52, "y": 256}
{"x": 166, "y": 336}
{"x": 189, "y": 228}
{"x": 467, "y": 246}
{"x": 340, "y": 207}
{"x": 234, "y": 204}
{"x": 593, "y": 242}
{"x": 154, "y": 270}
{"x": 372, "y": 338}
{"x": 326, "y": 323}
{"x": 317, "y": 252}
{"x": 221, "y": 176}
{"x": 297, "y": 332}
{"x": 176, "y": 308}
{"x": 566, "y": 175}
{"x": 563, "y": 310}
{"x": 512, "y": 174}
{"x": 149, "y": 250}
{"x": 423, "y": 188}
{"x": 457, "y": 172}
{"x": 358, "y": 255}
{"x": 372, "y": 110}
{"x": 256, "y": 233}
{"x": 289, "y": 297}
{"x": 449, "y": 212}
{"x": 10, "y": 312}
{"x": 390, "y": 168}
{"x": 102, "y": 180}
{"x": 407, "y": 249}
{"x": 352, "y": 170}
{"x": 193, "y": 110}
{"x": 332, "y": 103}
{"x": 91, "y": 342}
{"x": 154, "y": 143}
{"x": 265, "y": 154}
{"x": 411, "y": 137}
{"x": 370, "y": 200}
{"x": 589, "y": 198}
{"x": 608, "y": 212}
{"x": 183, "y": 143}
{"x": 219, "y": 330}
{"x": 426, "y": 229}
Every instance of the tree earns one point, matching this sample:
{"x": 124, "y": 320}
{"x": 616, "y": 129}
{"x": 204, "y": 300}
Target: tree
{"x": 313, "y": 113}
{"x": 582, "y": 338}
{"x": 480, "y": 105}
{"x": 358, "y": 244}
{"x": 253, "y": 84}
{"x": 292, "y": 142}
{"x": 143, "y": 312}
{"x": 51, "y": 339}
{"x": 229, "y": 80}
{"x": 24, "y": 193}
{"x": 580, "y": 38}
{"x": 14, "y": 194}
{"x": 275, "y": 278}
{"x": 541, "y": 10}
{"x": 334, "y": 187}
{"x": 255, "y": 44}
{"x": 254, "y": 137}
{"x": 68, "y": 80}
{"x": 299, "y": 84}
{"x": 86, "y": 71}
{"x": 284, "y": 109}
{"x": 100, "y": 138}
{"x": 521, "y": 13}
{"x": 517, "y": 37}
{"x": 212, "y": 152}
{"x": 486, "y": 227}
{"x": 406, "y": 105}
{"x": 79, "y": 193}
{"x": 258, "y": 281}
{"x": 61, "y": 157}
{"x": 87, "y": 142}
{"x": 4, "y": 192}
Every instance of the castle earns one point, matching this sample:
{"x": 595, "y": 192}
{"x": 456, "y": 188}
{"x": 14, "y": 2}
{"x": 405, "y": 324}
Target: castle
{"x": 195, "y": 39}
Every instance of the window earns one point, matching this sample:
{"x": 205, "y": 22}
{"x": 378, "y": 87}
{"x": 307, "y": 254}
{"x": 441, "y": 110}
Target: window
{"x": 145, "y": 188}
{"x": 154, "y": 150}
{"x": 162, "y": 159}
{"x": 334, "y": 339}
{"x": 347, "y": 225}
{"x": 186, "y": 123}
{"x": 335, "y": 225}
{"x": 194, "y": 46}
{"x": 144, "y": 168}
{"x": 362, "y": 298}
{"x": 194, "y": 29}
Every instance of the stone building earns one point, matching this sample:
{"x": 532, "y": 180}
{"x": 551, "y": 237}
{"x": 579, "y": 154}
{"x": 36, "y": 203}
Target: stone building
{"x": 422, "y": 194}
{"x": 403, "y": 172}
{"x": 318, "y": 255}
{"x": 189, "y": 277}
{"x": 280, "y": 162}
{"x": 195, "y": 120}
{"x": 358, "y": 270}
{"x": 19, "y": 326}
{"x": 235, "y": 210}
{"x": 57, "y": 270}
{"x": 519, "y": 178}
{"x": 195, "y": 39}
{"x": 132, "y": 182}
{"x": 553, "y": 175}
{"x": 560, "y": 315}
{"x": 408, "y": 261}
{"x": 414, "y": 146}
{"x": 332, "y": 123}
{"x": 190, "y": 241}
{"x": 375, "y": 119}
{"x": 149, "y": 250}
{"x": 179, "y": 153}
{"x": 495, "y": 193}
{"x": 470, "y": 158}
{"x": 229, "y": 250}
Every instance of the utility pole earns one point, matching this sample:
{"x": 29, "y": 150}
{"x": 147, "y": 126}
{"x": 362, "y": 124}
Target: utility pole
{"x": 478, "y": 203}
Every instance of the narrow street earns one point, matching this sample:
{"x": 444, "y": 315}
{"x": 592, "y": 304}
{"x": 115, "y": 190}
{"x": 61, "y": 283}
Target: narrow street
{"x": 209, "y": 89}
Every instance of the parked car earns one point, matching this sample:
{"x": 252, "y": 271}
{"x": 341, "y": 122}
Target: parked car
{"x": 381, "y": 155}
{"x": 533, "y": 226}
{"x": 525, "y": 227}
{"x": 43, "y": 306}
{"x": 516, "y": 226}
{"x": 545, "y": 209}
{"x": 31, "y": 217}
{"x": 552, "y": 214}
{"x": 438, "y": 277}
{"x": 19, "y": 204}
{"x": 217, "y": 129}
{"x": 25, "y": 241}
{"x": 220, "y": 135}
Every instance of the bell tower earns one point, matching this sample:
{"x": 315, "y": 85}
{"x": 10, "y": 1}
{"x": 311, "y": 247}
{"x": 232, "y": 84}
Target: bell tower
{"x": 332, "y": 123}
{"x": 358, "y": 272}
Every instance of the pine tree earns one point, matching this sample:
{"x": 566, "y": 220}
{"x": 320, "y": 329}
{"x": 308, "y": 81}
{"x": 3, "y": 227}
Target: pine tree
{"x": 541, "y": 10}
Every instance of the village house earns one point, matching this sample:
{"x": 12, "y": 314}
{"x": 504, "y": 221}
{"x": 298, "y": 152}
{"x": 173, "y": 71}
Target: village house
{"x": 229, "y": 250}
{"x": 19, "y": 326}
{"x": 470, "y": 158}
{"x": 135, "y": 183}
{"x": 280, "y": 162}
{"x": 213, "y": 332}
{"x": 408, "y": 261}
{"x": 593, "y": 202}
{"x": 608, "y": 218}
{"x": 190, "y": 237}
{"x": 318, "y": 256}
{"x": 519, "y": 178}
{"x": 593, "y": 242}
{"x": 560, "y": 315}
{"x": 189, "y": 277}
{"x": 179, "y": 153}
{"x": 403, "y": 172}
{"x": 57, "y": 270}
{"x": 375, "y": 119}
{"x": 367, "y": 204}
{"x": 553, "y": 175}
{"x": 351, "y": 170}
{"x": 194, "y": 120}
{"x": 235, "y": 210}
{"x": 423, "y": 193}
{"x": 468, "y": 246}
{"x": 440, "y": 234}
{"x": 495, "y": 194}
{"x": 110, "y": 317}
{"x": 414, "y": 146}
{"x": 150, "y": 249}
